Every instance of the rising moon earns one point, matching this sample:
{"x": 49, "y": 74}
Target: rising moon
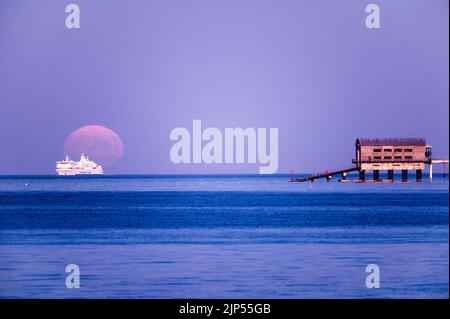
{"x": 100, "y": 143}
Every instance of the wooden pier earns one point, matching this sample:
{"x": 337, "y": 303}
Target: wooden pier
{"x": 387, "y": 154}
{"x": 326, "y": 175}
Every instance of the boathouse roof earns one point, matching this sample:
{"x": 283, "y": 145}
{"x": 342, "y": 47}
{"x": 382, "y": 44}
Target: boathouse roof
{"x": 408, "y": 141}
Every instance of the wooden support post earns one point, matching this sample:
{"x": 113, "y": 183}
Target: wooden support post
{"x": 404, "y": 175}
{"x": 362, "y": 175}
{"x": 376, "y": 175}
{"x": 418, "y": 175}
{"x": 390, "y": 174}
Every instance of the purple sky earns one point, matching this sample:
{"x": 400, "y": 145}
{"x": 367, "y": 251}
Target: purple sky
{"x": 310, "y": 68}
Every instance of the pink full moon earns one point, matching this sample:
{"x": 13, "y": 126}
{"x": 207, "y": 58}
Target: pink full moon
{"x": 100, "y": 143}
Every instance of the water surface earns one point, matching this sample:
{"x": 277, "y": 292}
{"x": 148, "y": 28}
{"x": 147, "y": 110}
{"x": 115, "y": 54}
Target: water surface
{"x": 221, "y": 237}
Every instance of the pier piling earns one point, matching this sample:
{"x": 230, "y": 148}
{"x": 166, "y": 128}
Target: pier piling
{"x": 404, "y": 175}
{"x": 418, "y": 175}
{"x": 362, "y": 175}
{"x": 376, "y": 175}
{"x": 390, "y": 173}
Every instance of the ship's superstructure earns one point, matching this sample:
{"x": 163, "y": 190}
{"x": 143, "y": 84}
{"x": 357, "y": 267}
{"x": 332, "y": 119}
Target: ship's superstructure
{"x": 82, "y": 167}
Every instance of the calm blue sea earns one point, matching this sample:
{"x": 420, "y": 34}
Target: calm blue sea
{"x": 222, "y": 237}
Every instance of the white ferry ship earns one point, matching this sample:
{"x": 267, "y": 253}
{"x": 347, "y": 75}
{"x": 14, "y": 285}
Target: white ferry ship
{"x": 82, "y": 167}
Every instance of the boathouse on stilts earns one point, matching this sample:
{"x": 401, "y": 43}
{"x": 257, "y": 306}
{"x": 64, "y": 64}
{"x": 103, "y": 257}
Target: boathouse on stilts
{"x": 385, "y": 154}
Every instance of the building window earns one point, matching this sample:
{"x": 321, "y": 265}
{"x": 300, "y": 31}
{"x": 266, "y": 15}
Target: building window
{"x": 377, "y": 157}
{"x": 397, "y": 157}
{"x": 377, "y": 150}
{"x": 388, "y": 157}
{"x": 398, "y": 150}
{"x": 388, "y": 149}
{"x": 409, "y": 150}
{"x": 408, "y": 157}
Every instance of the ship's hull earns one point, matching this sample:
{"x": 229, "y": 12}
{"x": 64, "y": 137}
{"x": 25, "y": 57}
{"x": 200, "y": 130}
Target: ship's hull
{"x": 73, "y": 172}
